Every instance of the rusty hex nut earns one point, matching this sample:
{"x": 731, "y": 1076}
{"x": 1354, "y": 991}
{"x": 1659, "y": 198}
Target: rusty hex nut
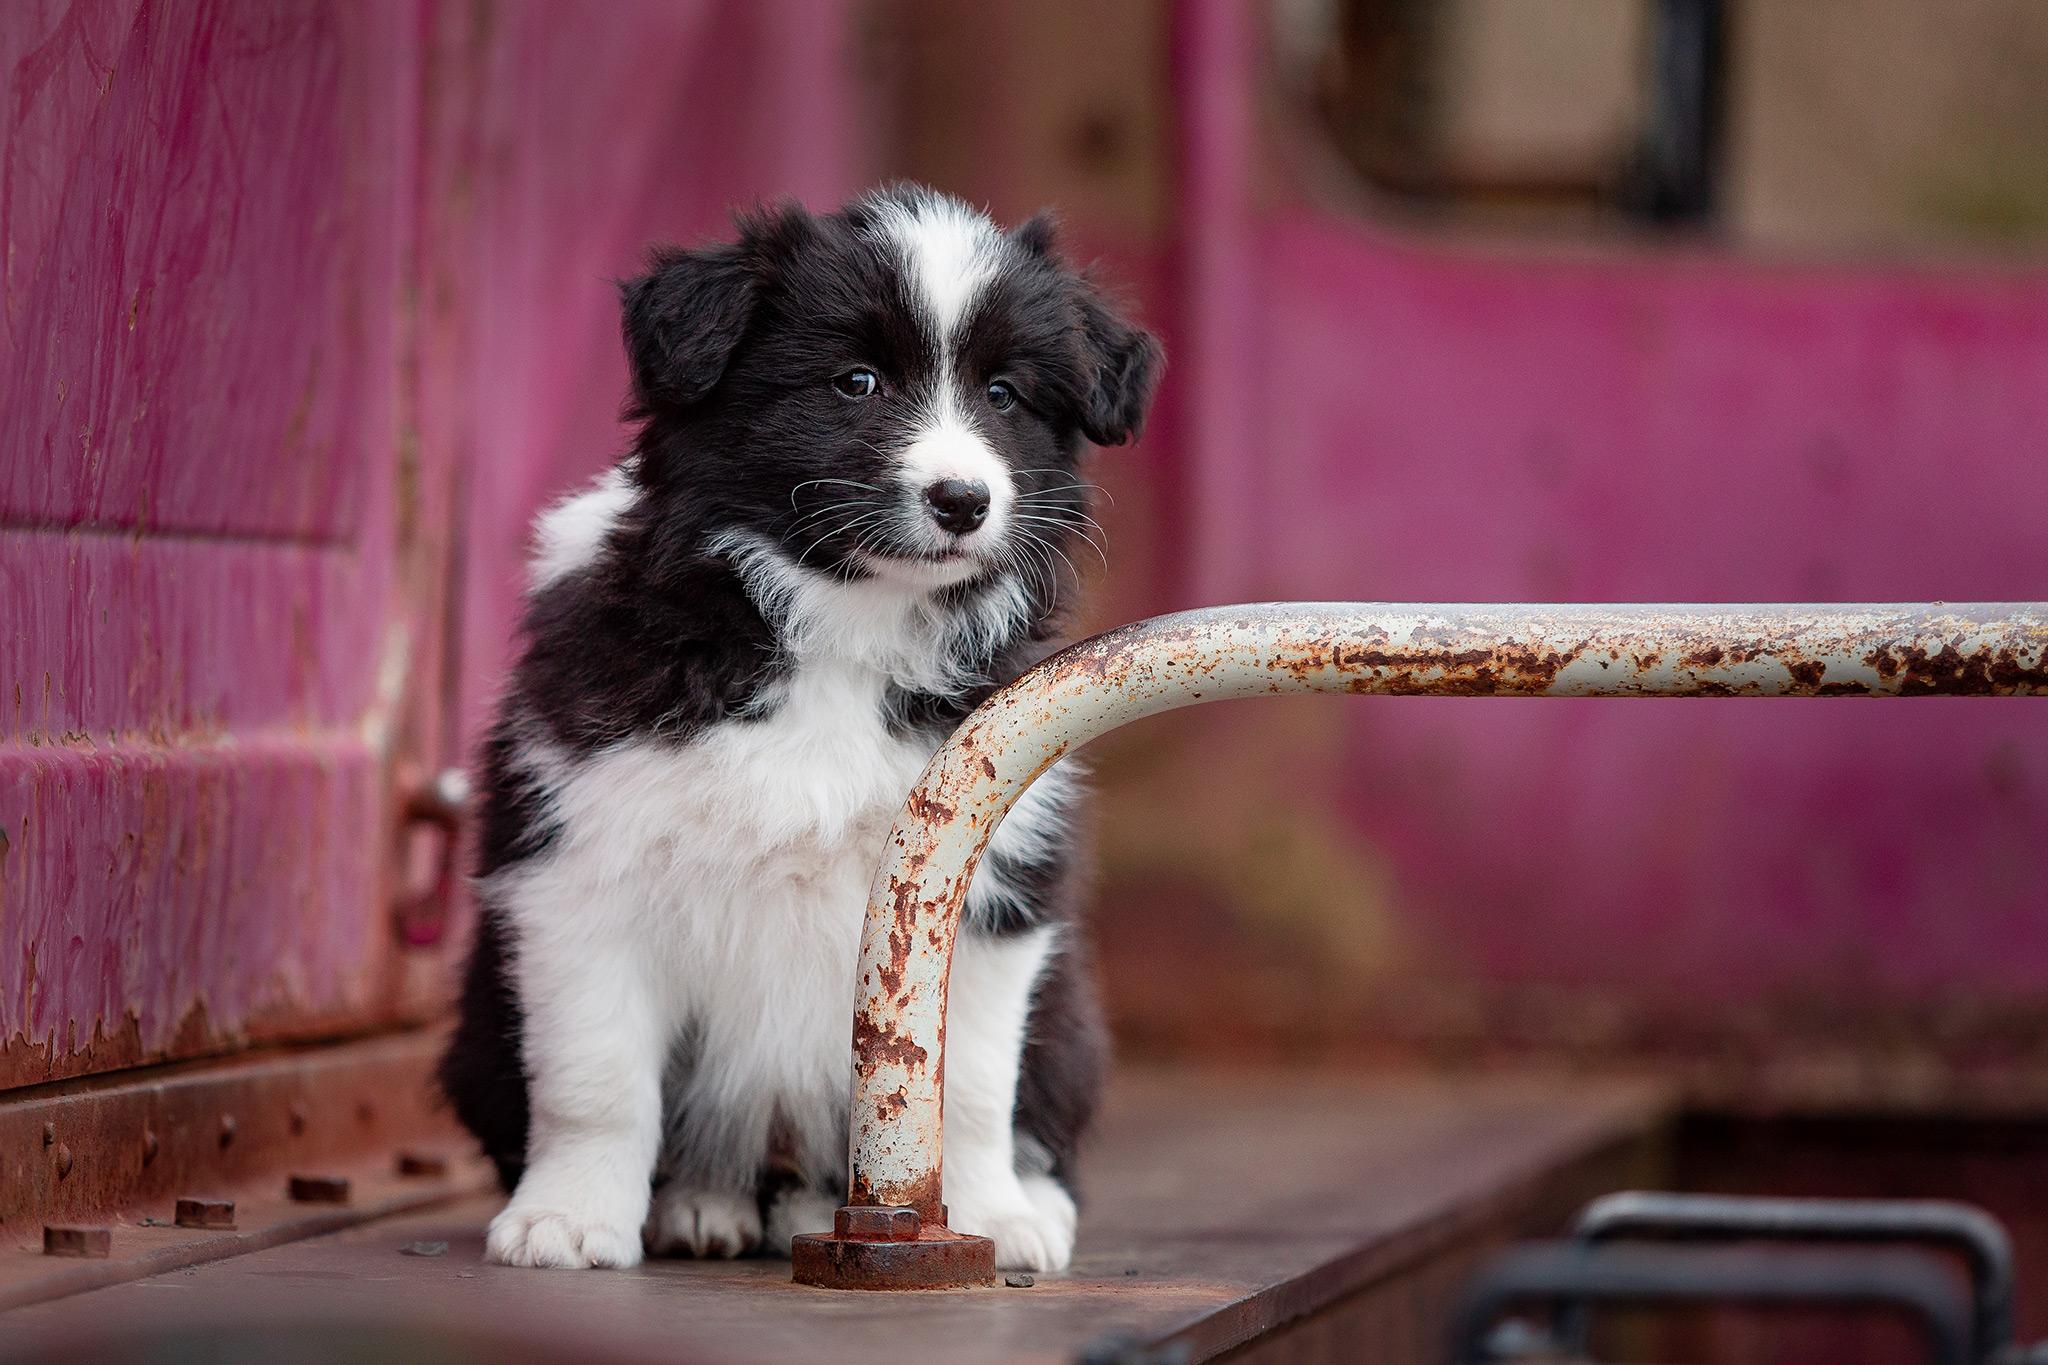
{"x": 319, "y": 1189}
{"x": 205, "y": 1213}
{"x": 875, "y": 1223}
{"x": 62, "y": 1240}
{"x": 413, "y": 1162}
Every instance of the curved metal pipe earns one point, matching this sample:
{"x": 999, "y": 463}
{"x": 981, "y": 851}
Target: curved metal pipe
{"x": 1220, "y": 653}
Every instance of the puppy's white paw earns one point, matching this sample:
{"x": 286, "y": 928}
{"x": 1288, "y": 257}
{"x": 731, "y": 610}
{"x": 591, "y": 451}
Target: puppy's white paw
{"x": 796, "y": 1209}
{"x": 1031, "y": 1222}
{"x": 696, "y": 1222}
{"x": 561, "y": 1239}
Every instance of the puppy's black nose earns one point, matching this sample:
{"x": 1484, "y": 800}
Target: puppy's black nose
{"x": 958, "y": 505}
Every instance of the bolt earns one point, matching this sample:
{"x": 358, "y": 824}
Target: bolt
{"x": 62, "y": 1240}
{"x": 149, "y": 1145}
{"x": 227, "y": 1129}
{"x": 49, "y": 1133}
{"x": 205, "y": 1213}
{"x": 875, "y": 1223}
{"x": 418, "y": 1163}
{"x": 63, "y": 1155}
{"x": 319, "y": 1189}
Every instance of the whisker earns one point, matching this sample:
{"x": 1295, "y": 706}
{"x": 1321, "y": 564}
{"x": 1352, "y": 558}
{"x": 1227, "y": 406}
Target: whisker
{"x": 1063, "y": 516}
{"x": 1100, "y": 553}
{"x": 1079, "y": 518}
{"x": 841, "y": 530}
{"x": 1095, "y": 488}
{"x": 1015, "y": 557}
{"x": 1027, "y": 559}
{"x": 852, "y": 483}
{"x": 1049, "y": 548}
{"x": 824, "y": 511}
{"x": 1072, "y": 568}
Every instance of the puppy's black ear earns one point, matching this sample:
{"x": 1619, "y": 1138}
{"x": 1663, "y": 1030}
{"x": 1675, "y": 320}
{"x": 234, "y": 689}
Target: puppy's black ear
{"x": 1035, "y": 235}
{"x": 681, "y": 322}
{"x": 686, "y": 314}
{"x": 1124, "y": 364}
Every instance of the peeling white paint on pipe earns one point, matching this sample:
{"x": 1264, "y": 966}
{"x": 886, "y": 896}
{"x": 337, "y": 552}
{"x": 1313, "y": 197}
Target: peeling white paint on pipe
{"x": 1221, "y": 653}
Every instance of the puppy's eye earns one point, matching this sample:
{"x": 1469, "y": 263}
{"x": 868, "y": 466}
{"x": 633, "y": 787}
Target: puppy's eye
{"x": 857, "y": 384}
{"x": 1001, "y": 396}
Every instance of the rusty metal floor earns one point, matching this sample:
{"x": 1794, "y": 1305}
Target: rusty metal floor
{"x": 1225, "y": 1211}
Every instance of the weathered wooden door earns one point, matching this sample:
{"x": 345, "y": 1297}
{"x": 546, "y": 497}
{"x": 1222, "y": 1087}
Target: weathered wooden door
{"x": 306, "y": 307}
{"x": 221, "y": 542}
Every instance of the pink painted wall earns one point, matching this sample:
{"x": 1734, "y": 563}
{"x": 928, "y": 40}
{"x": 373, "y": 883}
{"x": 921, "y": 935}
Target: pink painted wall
{"x": 1840, "y": 897}
{"x": 306, "y": 309}
{"x": 199, "y": 545}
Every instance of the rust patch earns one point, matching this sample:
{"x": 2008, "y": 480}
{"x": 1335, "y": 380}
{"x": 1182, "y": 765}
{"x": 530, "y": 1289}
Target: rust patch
{"x": 1428, "y": 668}
{"x": 1951, "y": 672}
{"x": 1808, "y": 673}
{"x": 875, "y": 1044}
{"x": 930, "y": 809}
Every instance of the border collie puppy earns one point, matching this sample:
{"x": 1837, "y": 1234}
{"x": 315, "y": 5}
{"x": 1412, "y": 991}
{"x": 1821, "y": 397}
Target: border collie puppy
{"x": 838, "y": 530}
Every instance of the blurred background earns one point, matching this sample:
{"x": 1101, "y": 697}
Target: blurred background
{"x": 307, "y": 309}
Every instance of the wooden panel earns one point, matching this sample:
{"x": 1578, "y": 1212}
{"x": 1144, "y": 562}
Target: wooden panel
{"x": 307, "y": 309}
{"x": 208, "y": 215}
{"x": 199, "y": 217}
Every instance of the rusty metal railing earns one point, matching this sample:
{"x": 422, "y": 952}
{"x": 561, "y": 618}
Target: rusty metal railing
{"x": 892, "y": 1234}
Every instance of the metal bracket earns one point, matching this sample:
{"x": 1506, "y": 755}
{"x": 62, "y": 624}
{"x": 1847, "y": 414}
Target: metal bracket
{"x": 1574, "y": 1273}
{"x": 1924, "y": 1222}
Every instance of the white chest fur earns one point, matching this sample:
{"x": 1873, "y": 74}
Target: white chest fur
{"x": 703, "y": 901}
{"x": 734, "y": 868}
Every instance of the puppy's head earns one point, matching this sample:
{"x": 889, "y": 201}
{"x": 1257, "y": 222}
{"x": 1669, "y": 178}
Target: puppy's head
{"x": 898, "y": 390}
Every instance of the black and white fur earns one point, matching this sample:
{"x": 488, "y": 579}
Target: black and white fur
{"x": 743, "y": 644}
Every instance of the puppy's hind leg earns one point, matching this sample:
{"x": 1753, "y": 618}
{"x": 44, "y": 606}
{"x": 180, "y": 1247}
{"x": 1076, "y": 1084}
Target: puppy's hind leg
{"x": 796, "y": 1209}
{"x": 694, "y": 1220}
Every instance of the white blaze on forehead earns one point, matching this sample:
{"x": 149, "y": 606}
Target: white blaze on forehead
{"x": 950, "y": 253}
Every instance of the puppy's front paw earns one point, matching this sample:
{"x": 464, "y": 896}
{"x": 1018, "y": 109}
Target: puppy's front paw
{"x": 560, "y": 1239}
{"x": 1031, "y": 1223}
{"x": 695, "y": 1222}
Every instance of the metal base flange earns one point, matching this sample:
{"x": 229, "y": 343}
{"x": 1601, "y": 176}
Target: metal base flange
{"x": 875, "y": 1247}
